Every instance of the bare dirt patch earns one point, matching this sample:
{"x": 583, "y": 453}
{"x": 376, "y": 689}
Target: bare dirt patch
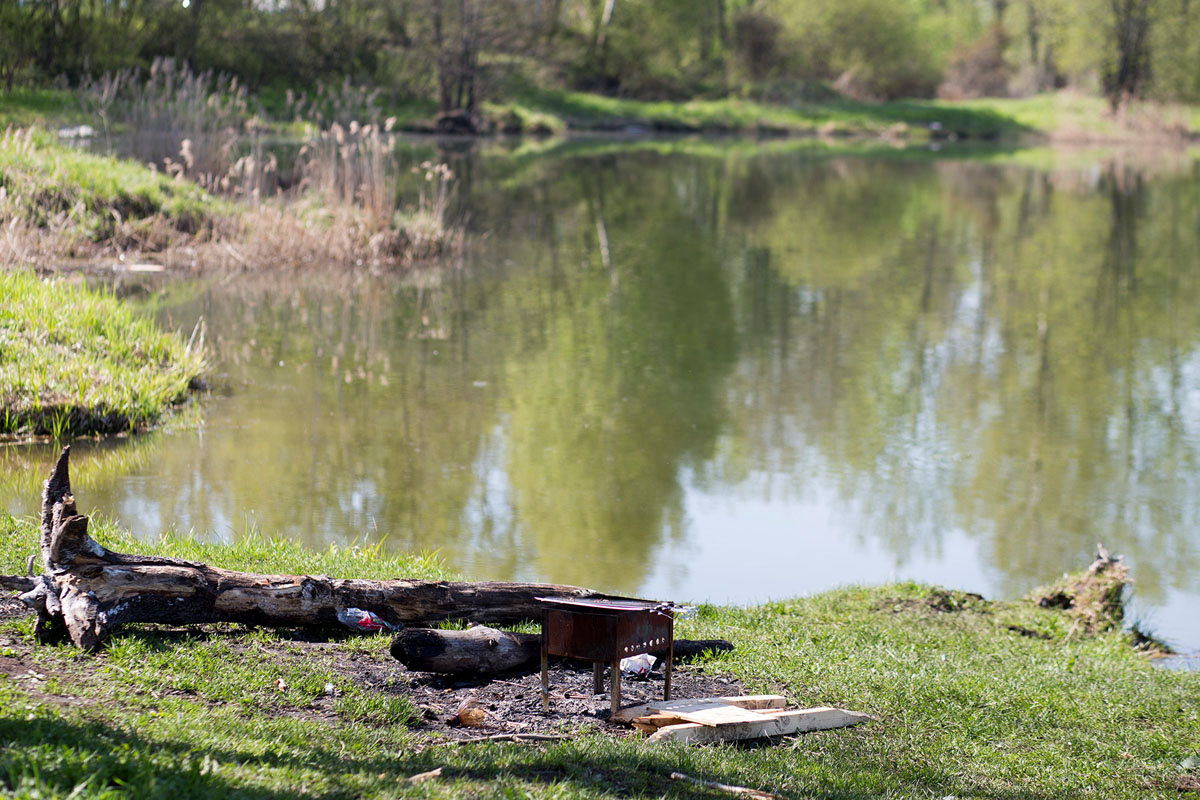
{"x": 511, "y": 704}
{"x": 514, "y": 704}
{"x": 11, "y": 608}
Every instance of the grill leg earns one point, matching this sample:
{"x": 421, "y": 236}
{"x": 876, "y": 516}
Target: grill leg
{"x": 616, "y": 685}
{"x": 670, "y": 662}
{"x": 545, "y": 664}
{"x": 670, "y": 656}
{"x": 597, "y": 677}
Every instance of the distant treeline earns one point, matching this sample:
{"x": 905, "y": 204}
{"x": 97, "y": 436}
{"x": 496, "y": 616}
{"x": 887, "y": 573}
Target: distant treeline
{"x": 458, "y": 52}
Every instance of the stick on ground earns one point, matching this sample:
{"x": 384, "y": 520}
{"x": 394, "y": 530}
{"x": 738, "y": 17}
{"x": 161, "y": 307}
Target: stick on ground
{"x": 741, "y": 791}
{"x": 511, "y": 737}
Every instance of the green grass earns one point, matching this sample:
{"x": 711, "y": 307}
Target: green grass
{"x": 24, "y": 107}
{"x": 76, "y": 361}
{"x": 1060, "y": 115}
{"x": 836, "y": 117}
{"x": 986, "y": 700}
{"x": 1070, "y": 115}
{"x": 79, "y": 195}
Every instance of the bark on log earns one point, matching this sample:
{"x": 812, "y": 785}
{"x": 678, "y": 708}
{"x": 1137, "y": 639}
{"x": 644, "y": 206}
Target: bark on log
{"x": 483, "y": 651}
{"x": 87, "y": 590}
{"x": 476, "y": 651}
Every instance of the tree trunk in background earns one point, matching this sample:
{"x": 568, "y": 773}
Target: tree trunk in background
{"x": 439, "y": 50}
{"x": 468, "y": 57}
{"x": 1131, "y": 28}
{"x": 601, "y": 32}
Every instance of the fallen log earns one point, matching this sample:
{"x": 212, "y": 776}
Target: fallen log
{"x": 87, "y": 590}
{"x": 482, "y": 651}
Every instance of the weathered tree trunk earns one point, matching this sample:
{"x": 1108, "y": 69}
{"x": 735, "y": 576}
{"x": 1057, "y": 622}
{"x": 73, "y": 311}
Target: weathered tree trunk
{"x": 87, "y": 590}
{"x": 483, "y": 651}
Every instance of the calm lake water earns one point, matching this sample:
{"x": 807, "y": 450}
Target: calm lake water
{"x": 720, "y": 372}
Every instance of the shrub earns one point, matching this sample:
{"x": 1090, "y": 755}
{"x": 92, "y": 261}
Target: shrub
{"x": 978, "y": 69}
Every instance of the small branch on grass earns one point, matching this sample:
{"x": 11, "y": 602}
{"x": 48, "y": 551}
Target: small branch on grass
{"x": 743, "y": 791}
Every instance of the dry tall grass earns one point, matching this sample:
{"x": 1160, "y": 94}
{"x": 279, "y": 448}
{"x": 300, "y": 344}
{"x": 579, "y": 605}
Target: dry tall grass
{"x": 338, "y": 203}
{"x": 161, "y": 108}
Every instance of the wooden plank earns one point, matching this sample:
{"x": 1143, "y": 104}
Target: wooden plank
{"x": 713, "y": 714}
{"x": 657, "y": 721}
{"x": 780, "y": 724}
{"x": 751, "y": 701}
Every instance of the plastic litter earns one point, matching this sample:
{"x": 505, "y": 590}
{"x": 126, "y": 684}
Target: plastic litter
{"x": 685, "y": 612}
{"x": 356, "y": 619}
{"x": 638, "y": 666}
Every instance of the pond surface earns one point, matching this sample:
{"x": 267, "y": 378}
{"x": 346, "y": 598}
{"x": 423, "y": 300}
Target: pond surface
{"x": 722, "y": 373}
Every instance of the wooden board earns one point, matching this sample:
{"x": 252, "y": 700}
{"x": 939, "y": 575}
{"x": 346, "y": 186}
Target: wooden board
{"x": 780, "y": 723}
{"x": 655, "y": 721}
{"x": 711, "y": 714}
{"x": 751, "y": 701}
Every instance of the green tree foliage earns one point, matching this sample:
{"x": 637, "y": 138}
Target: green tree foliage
{"x": 1175, "y": 50}
{"x": 870, "y": 48}
{"x": 459, "y": 53}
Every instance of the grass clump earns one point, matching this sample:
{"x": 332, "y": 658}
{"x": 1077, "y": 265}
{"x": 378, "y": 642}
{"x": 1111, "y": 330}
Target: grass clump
{"x": 514, "y": 118}
{"x": 76, "y": 361}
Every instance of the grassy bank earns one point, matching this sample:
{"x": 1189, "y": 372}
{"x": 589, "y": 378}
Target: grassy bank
{"x": 971, "y": 698}
{"x": 1064, "y": 116}
{"x": 1061, "y": 116}
{"x": 911, "y": 119}
{"x": 75, "y": 361}
{"x": 81, "y": 200}
{"x": 61, "y": 204}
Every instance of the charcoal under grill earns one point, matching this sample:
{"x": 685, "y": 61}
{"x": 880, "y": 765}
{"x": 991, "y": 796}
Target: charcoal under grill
{"x": 604, "y": 632}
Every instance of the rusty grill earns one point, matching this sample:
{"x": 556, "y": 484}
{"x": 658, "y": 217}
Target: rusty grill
{"x": 604, "y": 632}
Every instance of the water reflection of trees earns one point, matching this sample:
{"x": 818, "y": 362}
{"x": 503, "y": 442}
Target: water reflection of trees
{"x": 988, "y": 350}
{"x": 620, "y": 388}
{"x": 351, "y": 411}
